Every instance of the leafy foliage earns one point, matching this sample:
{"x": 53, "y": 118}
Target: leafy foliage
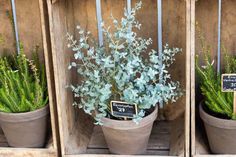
{"x": 22, "y": 84}
{"x": 121, "y": 69}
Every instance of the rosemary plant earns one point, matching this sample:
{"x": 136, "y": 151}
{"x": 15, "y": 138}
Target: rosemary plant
{"x": 210, "y": 81}
{"x": 22, "y": 84}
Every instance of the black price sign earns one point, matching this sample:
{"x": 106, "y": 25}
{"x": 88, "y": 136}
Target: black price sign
{"x": 123, "y": 109}
{"x": 228, "y": 82}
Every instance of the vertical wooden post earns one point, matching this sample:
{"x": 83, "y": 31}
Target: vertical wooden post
{"x": 191, "y": 50}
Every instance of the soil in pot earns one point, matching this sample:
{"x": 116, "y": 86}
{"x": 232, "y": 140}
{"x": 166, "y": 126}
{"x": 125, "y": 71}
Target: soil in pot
{"x": 221, "y": 132}
{"x": 25, "y": 129}
{"x": 127, "y": 137}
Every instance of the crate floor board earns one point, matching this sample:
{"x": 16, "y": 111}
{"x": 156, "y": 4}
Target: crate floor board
{"x": 3, "y": 141}
{"x": 159, "y": 142}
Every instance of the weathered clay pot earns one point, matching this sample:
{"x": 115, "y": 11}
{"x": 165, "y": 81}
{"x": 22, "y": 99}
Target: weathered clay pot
{"x": 25, "y": 129}
{"x": 127, "y": 137}
{"x": 221, "y": 133}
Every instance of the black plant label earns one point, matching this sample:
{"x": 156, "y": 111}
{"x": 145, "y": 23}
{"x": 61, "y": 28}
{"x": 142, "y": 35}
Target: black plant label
{"x": 228, "y": 82}
{"x": 123, "y": 109}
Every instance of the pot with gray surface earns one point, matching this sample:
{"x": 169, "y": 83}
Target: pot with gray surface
{"x": 26, "y": 129}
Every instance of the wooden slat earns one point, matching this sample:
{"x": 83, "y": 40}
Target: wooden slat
{"x": 74, "y": 135}
{"x": 6, "y": 151}
{"x": 3, "y": 141}
{"x": 192, "y": 50}
{"x": 188, "y": 42}
{"x": 27, "y": 152}
{"x": 148, "y": 152}
{"x": 177, "y": 142}
{"x": 49, "y": 73}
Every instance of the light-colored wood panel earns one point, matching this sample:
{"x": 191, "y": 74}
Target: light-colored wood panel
{"x": 49, "y": 72}
{"x": 187, "y": 115}
{"x": 177, "y": 138}
{"x": 73, "y": 135}
{"x": 192, "y": 85}
{"x": 20, "y": 152}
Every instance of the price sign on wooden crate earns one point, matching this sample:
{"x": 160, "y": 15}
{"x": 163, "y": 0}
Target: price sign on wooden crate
{"x": 123, "y": 109}
{"x": 228, "y": 84}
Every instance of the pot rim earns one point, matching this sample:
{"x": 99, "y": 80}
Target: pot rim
{"x": 24, "y": 116}
{"x": 130, "y": 124}
{"x": 215, "y": 121}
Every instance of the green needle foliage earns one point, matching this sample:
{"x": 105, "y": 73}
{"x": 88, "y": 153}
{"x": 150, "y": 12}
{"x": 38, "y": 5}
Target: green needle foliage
{"x": 210, "y": 81}
{"x": 22, "y": 84}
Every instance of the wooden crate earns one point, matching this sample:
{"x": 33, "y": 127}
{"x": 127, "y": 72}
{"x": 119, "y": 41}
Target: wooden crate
{"x": 78, "y": 135}
{"x": 33, "y": 29}
{"x": 205, "y": 13}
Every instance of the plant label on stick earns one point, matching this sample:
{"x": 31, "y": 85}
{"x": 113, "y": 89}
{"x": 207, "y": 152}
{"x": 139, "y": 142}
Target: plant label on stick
{"x": 123, "y": 109}
{"x": 228, "y": 84}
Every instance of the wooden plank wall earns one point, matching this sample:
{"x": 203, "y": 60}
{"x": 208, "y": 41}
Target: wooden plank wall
{"x": 29, "y": 26}
{"x": 207, "y": 18}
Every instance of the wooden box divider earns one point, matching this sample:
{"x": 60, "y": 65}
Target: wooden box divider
{"x": 78, "y": 135}
{"x": 33, "y": 28}
{"x": 205, "y": 14}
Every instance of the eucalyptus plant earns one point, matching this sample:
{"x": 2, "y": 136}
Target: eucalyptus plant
{"x": 123, "y": 69}
{"x": 22, "y": 83}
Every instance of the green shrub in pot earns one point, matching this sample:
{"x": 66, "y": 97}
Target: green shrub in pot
{"x": 210, "y": 83}
{"x": 216, "y": 110}
{"x": 122, "y": 69}
{"x": 23, "y": 100}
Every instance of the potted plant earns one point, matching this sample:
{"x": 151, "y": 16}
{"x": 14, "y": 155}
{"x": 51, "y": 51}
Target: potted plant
{"x": 123, "y": 70}
{"x": 23, "y": 101}
{"x": 216, "y": 110}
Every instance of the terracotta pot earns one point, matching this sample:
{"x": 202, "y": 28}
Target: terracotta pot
{"x": 26, "y": 129}
{"x": 221, "y": 133}
{"x": 127, "y": 137}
